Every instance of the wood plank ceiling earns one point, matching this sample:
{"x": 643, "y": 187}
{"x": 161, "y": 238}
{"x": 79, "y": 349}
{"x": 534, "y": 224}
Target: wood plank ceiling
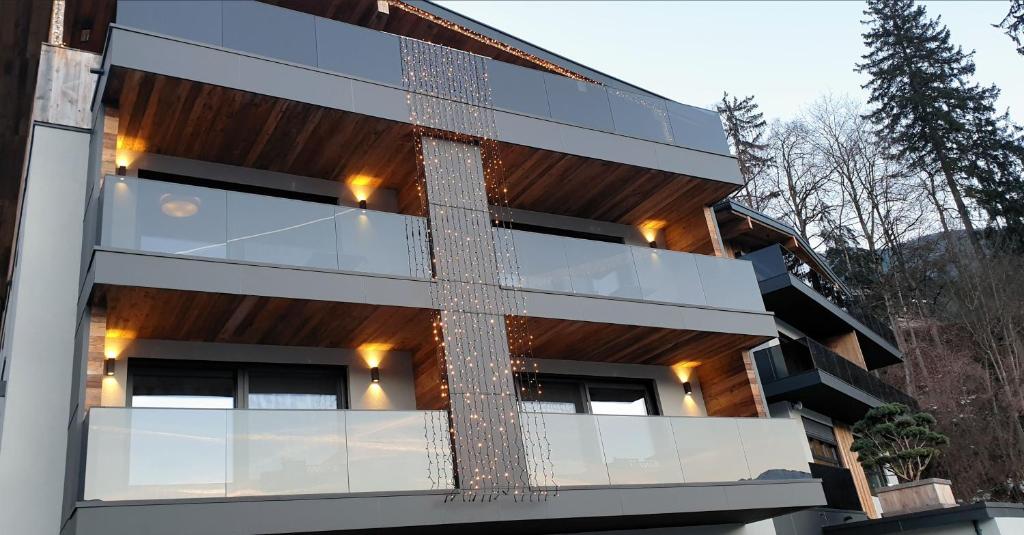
{"x": 176, "y": 117}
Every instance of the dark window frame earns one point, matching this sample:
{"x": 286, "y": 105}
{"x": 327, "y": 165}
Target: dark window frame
{"x": 240, "y": 371}
{"x": 585, "y": 382}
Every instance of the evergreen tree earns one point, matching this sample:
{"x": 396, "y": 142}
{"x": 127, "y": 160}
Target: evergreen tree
{"x": 929, "y": 109}
{"x": 745, "y": 127}
{"x": 1013, "y": 23}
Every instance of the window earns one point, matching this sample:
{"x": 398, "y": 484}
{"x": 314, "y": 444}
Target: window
{"x": 591, "y": 395}
{"x": 216, "y": 385}
{"x": 824, "y": 453}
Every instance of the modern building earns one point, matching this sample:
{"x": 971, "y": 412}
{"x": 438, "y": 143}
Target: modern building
{"x": 819, "y": 367}
{"x": 370, "y": 266}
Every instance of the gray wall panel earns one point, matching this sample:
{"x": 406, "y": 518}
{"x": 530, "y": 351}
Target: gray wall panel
{"x": 579, "y": 103}
{"x": 518, "y": 88}
{"x": 270, "y": 31}
{"x": 358, "y": 51}
{"x": 195, "y": 20}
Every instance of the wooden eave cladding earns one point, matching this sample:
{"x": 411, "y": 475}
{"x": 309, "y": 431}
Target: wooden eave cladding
{"x": 746, "y": 233}
{"x": 176, "y": 117}
{"x": 134, "y": 312}
{"x": 602, "y": 342}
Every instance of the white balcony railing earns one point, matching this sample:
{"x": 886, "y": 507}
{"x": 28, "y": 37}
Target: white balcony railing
{"x": 164, "y": 217}
{"x": 586, "y": 267}
{"x": 157, "y": 454}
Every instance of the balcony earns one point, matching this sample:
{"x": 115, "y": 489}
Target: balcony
{"x": 304, "y": 39}
{"x": 185, "y": 220}
{"x": 801, "y": 298}
{"x": 804, "y": 370}
{"x": 163, "y": 454}
{"x": 559, "y": 264}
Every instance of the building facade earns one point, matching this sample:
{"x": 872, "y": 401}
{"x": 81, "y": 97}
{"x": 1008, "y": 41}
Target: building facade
{"x": 368, "y": 266}
{"x": 819, "y": 367}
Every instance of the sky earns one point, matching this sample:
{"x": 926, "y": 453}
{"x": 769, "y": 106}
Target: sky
{"x": 787, "y": 54}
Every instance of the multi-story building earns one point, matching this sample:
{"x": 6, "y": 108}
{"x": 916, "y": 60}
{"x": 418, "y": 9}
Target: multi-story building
{"x": 368, "y": 266}
{"x": 818, "y": 369}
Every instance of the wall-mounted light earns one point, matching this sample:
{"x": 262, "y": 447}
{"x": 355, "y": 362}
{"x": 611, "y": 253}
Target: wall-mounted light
{"x": 653, "y": 244}
{"x": 362, "y": 204}
{"x": 122, "y": 170}
{"x": 375, "y": 374}
{"x": 687, "y": 387}
{"x": 108, "y": 367}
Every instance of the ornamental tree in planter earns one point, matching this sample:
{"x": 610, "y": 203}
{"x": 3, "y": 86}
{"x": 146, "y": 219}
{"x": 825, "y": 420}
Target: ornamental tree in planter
{"x": 898, "y": 439}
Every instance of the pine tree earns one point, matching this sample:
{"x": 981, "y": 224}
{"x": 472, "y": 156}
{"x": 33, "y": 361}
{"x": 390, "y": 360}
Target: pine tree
{"x": 745, "y": 127}
{"x": 1013, "y": 23}
{"x": 929, "y": 109}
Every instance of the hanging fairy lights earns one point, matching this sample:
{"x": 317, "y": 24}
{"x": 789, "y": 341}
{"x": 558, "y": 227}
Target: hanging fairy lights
{"x": 479, "y": 326}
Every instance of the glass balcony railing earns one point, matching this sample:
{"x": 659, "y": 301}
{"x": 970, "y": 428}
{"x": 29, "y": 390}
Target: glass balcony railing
{"x": 840, "y": 491}
{"x": 157, "y": 454}
{"x": 301, "y": 38}
{"x": 799, "y": 356}
{"x": 587, "y": 267}
{"x": 164, "y": 217}
{"x": 642, "y": 450}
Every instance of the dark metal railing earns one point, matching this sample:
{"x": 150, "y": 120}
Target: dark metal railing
{"x": 775, "y": 260}
{"x": 804, "y": 355}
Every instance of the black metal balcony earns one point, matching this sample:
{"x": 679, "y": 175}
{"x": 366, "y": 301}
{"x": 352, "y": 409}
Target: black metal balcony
{"x": 807, "y": 371}
{"x": 840, "y": 492}
{"x": 818, "y": 307}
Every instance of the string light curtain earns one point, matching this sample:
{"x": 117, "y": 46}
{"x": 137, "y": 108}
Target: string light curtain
{"x": 480, "y": 329}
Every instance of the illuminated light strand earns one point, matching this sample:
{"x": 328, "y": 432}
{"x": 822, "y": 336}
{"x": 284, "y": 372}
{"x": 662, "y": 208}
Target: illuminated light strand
{"x": 449, "y": 100}
{"x": 557, "y": 69}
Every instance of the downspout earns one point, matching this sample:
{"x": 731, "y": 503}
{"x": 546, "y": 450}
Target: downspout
{"x": 977, "y": 528}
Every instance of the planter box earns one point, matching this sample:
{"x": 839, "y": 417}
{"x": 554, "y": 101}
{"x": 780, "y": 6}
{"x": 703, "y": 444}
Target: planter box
{"x": 916, "y": 496}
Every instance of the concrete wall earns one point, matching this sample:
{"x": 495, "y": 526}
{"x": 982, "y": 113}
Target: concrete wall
{"x": 394, "y": 392}
{"x": 41, "y": 345}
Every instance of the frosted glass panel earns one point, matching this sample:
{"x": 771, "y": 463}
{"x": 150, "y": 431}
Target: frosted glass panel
{"x": 710, "y": 449}
{"x": 540, "y": 258}
{"x": 576, "y": 454}
{"x": 729, "y": 283}
{"x": 389, "y": 450}
{"x": 639, "y": 450}
{"x": 155, "y": 454}
{"x": 287, "y": 452}
{"x": 373, "y": 242}
{"x": 668, "y": 276}
{"x": 181, "y": 219}
{"x": 599, "y": 268}
{"x": 776, "y": 448}
{"x": 281, "y": 231}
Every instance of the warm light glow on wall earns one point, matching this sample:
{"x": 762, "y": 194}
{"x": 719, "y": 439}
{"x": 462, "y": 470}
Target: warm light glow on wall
{"x": 373, "y": 353}
{"x": 115, "y": 341}
{"x": 651, "y": 227}
{"x": 684, "y": 370}
{"x": 362, "y": 186}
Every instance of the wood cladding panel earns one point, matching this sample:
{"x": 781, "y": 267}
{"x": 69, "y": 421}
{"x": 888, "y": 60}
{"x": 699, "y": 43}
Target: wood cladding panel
{"x": 212, "y": 317}
{"x": 730, "y": 387}
{"x": 175, "y": 117}
{"x": 95, "y": 358}
{"x": 844, "y": 439}
{"x": 847, "y": 346}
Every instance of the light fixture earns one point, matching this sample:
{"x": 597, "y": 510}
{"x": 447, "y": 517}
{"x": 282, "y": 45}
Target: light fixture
{"x": 108, "y": 367}
{"x": 122, "y": 170}
{"x": 653, "y": 244}
{"x": 179, "y": 205}
{"x": 375, "y": 374}
{"x": 687, "y": 387}
{"x": 362, "y": 204}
